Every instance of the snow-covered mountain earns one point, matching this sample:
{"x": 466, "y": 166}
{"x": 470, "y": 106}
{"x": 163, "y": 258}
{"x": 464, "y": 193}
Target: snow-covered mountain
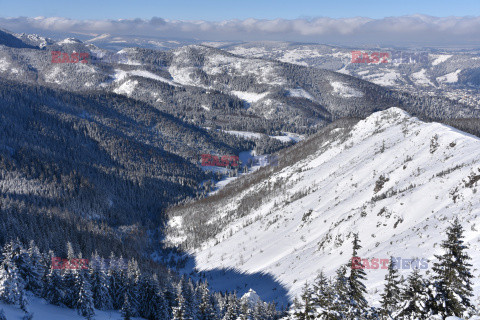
{"x": 395, "y": 180}
{"x": 445, "y": 72}
{"x": 211, "y": 87}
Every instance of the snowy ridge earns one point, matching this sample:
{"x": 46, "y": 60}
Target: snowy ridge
{"x": 395, "y": 180}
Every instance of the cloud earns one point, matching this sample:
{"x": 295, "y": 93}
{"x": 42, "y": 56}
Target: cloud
{"x": 414, "y": 29}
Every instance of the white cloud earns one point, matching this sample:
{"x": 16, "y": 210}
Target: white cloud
{"x": 415, "y": 29}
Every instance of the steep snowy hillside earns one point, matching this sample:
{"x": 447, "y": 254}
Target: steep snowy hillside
{"x": 395, "y": 180}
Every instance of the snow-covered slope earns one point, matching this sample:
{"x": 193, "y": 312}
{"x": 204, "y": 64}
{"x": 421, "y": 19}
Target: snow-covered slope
{"x": 395, "y": 180}
{"x": 450, "y": 73}
{"x": 41, "y": 310}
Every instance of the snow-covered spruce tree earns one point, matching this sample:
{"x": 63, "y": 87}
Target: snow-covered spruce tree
{"x": 322, "y": 297}
{"x": 303, "y": 307}
{"x": 126, "y": 309}
{"x": 163, "y": 308}
{"x": 452, "y": 276}
{"x": 53, "y": 288}
{"x": 414, "y": 299}
{"x": 220, "y": 303}
{"x": 12, "y": 286}
{"x": 68, "y": 278}
{"x": 99, "y": 281}
{"x": 340, "y": 301}
{"x": 178, "y": 312}
{"x": 28, "y": 269}
{"x": 84, "y": 303}
{"x": 357, "y": 304}
{"x": 36, "y": 271}
{"x": 132, "y": 286}
{"x": 117, "y": 282}
{"x": 391, "y": 295}
{"x": 188, "y": 293}
{"x": 245, "y": 312}
{"x": 206, "y": 309}
{"x": 233, "y": 307}
{"x": 261, "y": 311}
{"x": 151, "y": 300}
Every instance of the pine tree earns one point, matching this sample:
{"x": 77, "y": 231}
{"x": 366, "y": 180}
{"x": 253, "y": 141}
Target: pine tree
{"x": 152, "y": 304}
{"x": 206, "y": 307}
{"x": 162, "y": 306}
{"x": 340, "y": 301}
{"x": 187, "y": 292}
{"x": 179, "y": 310}
{"x": 126, "y": 308}
{"x": 12, "y": 286}
{"x": 303, "y": 307}
{"x": 233, "y": 308}
{"x": 84, "y": 303}
{"x": 2, "y": 315}
{"x": 99, "y": 281}
{"x": 453, "y": 279}
{"x": 414, "y": 299}
{"x": 259, "y": 311}
{"x": 69, "y": 276}
{"x": 117, "y": 285}
{"x": 323, "y": 297}
{"x": 132, "y": 285}
{"x": 53, "y": 288}
{"x": 36, "y": 269}
{"x": 356, "y": 289}
{"x": 391, "y": 296}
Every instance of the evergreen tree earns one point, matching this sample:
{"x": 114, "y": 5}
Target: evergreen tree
{"x": 12, "y": 286}
{"x": 340, "y": 301}
{"x": 162, "y": 307}
{"x": 233, "y": 307}
{"x": 152, "y": 304}
{"x": 99, "y": 281}
{"x": 35, "y": 270}
{"x": 53, "y": 288}
{"x": 356, "y": 289}
{"x": 69, "y": 276}
{"x": 245, "y": 311}
{"x": 391, "y": 296}
{"x": 304, "y": 308}
{"x": 414, "y": 299}
{"x": 187, "y": 292}
{"x": 132, "y": 288}
{"x": 259, "y": 311}
{"x": 179, "y": 310}
{"x": 206, "y": 307}
{"x": 322, "y": 297}
{"x": 127, "y": 312}
{"x": 117, "y": 285}
{"x": 2, "y": 315}
{"x": 84, "y": 303}
{"x": 453, "y": 279}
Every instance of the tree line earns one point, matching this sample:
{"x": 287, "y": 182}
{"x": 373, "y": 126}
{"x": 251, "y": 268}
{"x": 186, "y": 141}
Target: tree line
{"x": 448, "y": 292}
{"x": 116, "y": 286}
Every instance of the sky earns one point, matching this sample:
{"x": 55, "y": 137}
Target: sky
{"x": 400, "y": 22}
{"x": 219, "y": 10}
